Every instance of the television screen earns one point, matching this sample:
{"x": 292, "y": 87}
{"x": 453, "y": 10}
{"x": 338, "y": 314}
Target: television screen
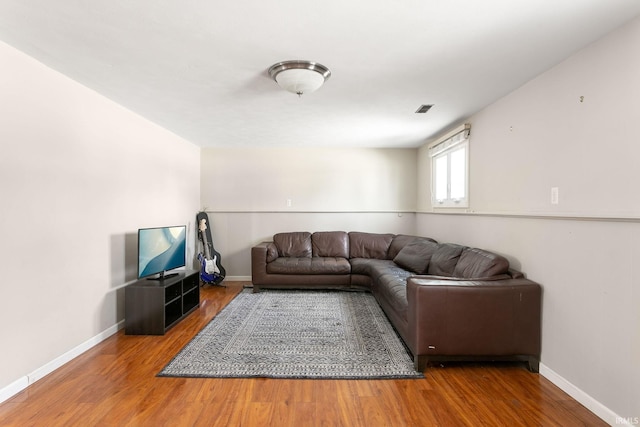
{"x": 161, "y": 249}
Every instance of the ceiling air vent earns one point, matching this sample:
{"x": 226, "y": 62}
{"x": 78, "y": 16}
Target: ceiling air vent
{"x": 424, "y": 108}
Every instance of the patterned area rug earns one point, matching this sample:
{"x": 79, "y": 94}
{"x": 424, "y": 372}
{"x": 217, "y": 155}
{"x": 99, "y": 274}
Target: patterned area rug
{"x": 296, "y": 334}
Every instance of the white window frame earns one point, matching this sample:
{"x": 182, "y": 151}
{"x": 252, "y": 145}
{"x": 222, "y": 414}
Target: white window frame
{"x": 444, "y": 148}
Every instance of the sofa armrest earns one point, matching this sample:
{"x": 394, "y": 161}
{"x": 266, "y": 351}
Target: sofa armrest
{"x": 260, "y": 255}
{"x": 473, "y": 317}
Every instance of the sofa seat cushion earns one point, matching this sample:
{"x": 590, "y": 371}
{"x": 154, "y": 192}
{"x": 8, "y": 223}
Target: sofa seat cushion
{"x": 294, "y": 244}
{"x": 304, "y": 265}
{"x": 369, "y": 245}
{"x": 388, "y": 278}
{"x": 416, "y": 256}
{"x": 391, "y": 286}
{"x": 369, "y": 266}
{"x": 479, "y": 263}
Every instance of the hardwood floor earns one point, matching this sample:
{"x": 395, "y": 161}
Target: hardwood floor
{"x": 115, "y": 384}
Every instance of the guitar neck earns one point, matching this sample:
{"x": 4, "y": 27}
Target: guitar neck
{"x": 207, "y": 253}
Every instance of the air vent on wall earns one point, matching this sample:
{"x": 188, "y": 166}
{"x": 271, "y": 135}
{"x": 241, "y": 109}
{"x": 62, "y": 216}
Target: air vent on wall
{"x": 424, "y": 108}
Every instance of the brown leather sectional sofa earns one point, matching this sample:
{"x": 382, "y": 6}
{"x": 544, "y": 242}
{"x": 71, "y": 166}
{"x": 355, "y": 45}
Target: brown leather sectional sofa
{"x": 447, "y": 301}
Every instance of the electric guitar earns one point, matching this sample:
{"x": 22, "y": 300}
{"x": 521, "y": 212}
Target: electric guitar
{"x": 211, "y": 271}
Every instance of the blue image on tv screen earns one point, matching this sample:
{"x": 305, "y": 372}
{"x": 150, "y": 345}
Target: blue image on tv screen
{"x": 161, "y": 249}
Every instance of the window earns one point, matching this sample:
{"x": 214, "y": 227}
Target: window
{"x": 450, "y": 170}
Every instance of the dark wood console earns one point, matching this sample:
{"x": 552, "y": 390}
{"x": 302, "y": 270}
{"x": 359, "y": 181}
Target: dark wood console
{"x": 153, "y": 306}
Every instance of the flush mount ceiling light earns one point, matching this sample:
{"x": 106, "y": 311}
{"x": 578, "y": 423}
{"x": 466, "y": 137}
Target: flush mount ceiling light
{"x": 299, "y": 77}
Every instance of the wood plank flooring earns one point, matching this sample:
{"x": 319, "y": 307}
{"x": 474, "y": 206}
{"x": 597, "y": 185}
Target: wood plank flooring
{"x": 115, "y": 384}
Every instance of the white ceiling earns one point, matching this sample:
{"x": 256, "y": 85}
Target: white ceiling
{"x": 199, "y": 68}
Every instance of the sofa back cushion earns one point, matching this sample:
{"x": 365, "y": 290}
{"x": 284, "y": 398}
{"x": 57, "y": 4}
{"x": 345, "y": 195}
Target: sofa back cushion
{"x": 475, "y": 262}
{"x": 369, "y": 245}
{"x": 416, "y": 256}
{"x": 295, "y": 244}
{"x": 272, "y": 252}
{"x": 330, "y": 244}
{"x": 402, "y": 240}
{"x": 444, "y": 259}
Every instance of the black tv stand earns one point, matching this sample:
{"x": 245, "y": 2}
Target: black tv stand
{"x": 163, "y": 276}
{"x": 152, "y": 307}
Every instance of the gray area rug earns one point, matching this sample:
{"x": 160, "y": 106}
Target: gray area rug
{"x": 296, "y": 334}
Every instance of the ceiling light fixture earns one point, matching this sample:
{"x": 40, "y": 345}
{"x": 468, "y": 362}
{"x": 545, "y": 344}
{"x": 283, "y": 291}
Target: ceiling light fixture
{"x": 299, "y": 77}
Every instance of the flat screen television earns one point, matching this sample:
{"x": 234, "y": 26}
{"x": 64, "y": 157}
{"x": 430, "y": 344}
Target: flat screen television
{"x": 161, "y": 249}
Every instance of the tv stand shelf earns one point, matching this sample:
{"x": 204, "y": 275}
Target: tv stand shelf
{"x": 151, "y": 307}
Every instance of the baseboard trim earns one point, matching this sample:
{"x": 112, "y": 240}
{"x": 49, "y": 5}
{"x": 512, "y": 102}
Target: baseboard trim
{"x": 14, "y": 388}
{"x": 237, "y": 278}
{"x": 25, "y": 381}
{"x": 583, "y": 398}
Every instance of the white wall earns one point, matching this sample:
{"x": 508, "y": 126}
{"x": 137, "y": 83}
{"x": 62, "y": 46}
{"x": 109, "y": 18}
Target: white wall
{"x": 585, "y": 251}
{"x": 78, "y": 176}
{"x": 245, "y": 192}
{"x": 314, "y": 179}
